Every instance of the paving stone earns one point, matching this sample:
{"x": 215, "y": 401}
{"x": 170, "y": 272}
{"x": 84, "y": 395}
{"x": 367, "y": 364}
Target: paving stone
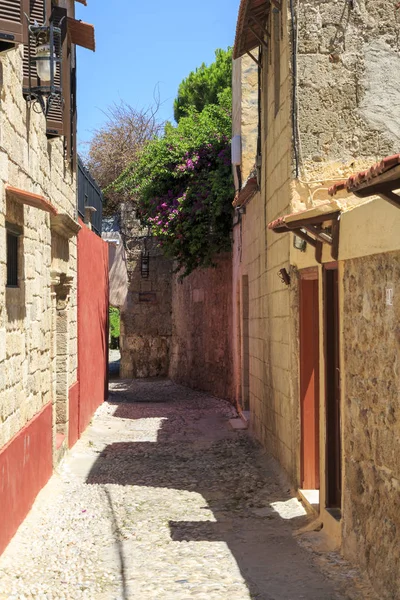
{"x": 161, "y": 500}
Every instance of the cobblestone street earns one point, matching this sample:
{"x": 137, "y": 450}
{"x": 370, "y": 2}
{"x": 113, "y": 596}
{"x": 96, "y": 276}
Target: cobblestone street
{"x": 160, "y": 499}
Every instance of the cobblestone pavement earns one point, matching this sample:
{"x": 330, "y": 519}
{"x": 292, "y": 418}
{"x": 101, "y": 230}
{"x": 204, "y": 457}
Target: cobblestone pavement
{"x": 160, "y": 499}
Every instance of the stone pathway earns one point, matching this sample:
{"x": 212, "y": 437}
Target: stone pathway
{"x": 161, "y": 500}
{"x": 114, "y": 362}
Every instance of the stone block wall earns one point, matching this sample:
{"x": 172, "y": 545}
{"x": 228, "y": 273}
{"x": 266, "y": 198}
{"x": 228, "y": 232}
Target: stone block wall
{"x": 348, "y": 80}
{"x": 31, "y": 162}
{"x": 245, "y": 110}
{"x": 272, "y": 403}
{"x": 371, "y": 418}
{"x": 146, "y": 325}
{"x": 201, "y": 354}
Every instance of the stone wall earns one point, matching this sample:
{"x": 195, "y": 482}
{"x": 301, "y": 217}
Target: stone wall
{"x": 245, "y": 110}
{"x": 371, "y": 419}
{"x": 146, "y": 325}
{"x": 31, "y": 162}
{"x": 348, "y": 69}
{"x": 201, "y": 355}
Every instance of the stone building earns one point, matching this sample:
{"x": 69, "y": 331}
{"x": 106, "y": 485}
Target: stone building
{"x": 174, "y": 328}
{"x": 38, "y": 248}
{"x": 316, "y": 258}
{"x": 146, "y": 324}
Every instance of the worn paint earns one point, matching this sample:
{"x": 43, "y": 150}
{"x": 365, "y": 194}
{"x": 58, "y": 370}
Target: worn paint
{"x": 25, "y": 466}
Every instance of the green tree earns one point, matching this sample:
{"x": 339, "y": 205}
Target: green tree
{"x": 204, "y": 85}
{"x": 184, "y": 186}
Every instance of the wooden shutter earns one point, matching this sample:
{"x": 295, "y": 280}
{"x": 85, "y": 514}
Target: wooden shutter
{"x": 12, "y": 23}
{"x": 36, "y": 13}
{"x": 55, "y": 124}
{"x": 71, "y": 137}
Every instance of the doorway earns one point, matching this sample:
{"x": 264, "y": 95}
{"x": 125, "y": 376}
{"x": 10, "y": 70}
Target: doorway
{"x": 332, "y": 388}
{"x": 309, "y": 379}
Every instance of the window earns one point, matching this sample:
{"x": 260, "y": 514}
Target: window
{"x": 12, "y": 21}
{"x": 12, "y": 259}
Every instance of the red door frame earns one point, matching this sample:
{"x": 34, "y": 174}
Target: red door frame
{"x": 309, "y": 378}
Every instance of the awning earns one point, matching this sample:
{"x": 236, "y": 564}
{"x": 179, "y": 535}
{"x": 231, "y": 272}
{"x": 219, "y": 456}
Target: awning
{"x": 251, "y": 23}
{"x": 31, "y": 199}
{"x": 382, "y": 179}
{"x": 313, "y": 226}
{"x": 81, "y": 33}
{"x": 246, "y": 193}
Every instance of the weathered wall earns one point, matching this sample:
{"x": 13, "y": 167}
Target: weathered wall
{"x": 201, "y": 355}
{"x": 32, "y": 409}
{"x": 26, "y": 462}
{"x": 348, "y": 69}
{"x": 245, "y": 110}
{"x": 146, "y": 317}
{"x": 28, "y": 160}
{"x": 371, "y": 421}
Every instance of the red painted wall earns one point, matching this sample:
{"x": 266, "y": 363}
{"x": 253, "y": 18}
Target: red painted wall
{"x": 26, "y": 464}
{"x": 92, "y": 327}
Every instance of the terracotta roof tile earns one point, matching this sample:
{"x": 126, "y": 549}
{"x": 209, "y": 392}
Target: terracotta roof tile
{"x": 358, "y": 179}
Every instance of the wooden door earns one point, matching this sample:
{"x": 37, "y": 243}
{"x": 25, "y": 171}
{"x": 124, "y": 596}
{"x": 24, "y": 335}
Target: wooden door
{"x": 309, "y": 379}
{"x": 332, "y": 391}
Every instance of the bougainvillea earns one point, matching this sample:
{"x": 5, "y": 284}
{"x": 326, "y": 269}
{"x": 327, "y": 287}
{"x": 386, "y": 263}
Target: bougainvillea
{"x": 182, "y": 184}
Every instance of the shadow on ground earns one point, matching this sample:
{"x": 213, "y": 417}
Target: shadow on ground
{"x": 244, "y": 500}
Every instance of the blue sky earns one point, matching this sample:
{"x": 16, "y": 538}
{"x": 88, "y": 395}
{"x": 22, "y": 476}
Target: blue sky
{"x": 140, "y": 45}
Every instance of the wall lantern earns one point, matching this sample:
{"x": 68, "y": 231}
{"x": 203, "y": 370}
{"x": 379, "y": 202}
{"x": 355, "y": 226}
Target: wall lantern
{"x": 44, "y": 65}
{"x": 299, "y": 243}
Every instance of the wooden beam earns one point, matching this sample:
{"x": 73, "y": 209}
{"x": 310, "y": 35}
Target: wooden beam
{"x": 335, "y": 238}
{"x": 391, "y": 197}
{"x": 304, "y": 236}
{"x": 258, "y": 62}
{"x": 319, "y": 233}
{"x": 318, "y": 252}
{"x": 260, "y": 39}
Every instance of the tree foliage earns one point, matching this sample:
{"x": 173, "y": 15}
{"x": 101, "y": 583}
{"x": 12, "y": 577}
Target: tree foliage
{"x": 116, "y": 144}
{"x": 183, "y": 183}
{"x": 204, "y": 85}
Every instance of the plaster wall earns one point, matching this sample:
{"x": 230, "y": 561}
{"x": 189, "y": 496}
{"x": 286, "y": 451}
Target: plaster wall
{"x": 31, "y": 162}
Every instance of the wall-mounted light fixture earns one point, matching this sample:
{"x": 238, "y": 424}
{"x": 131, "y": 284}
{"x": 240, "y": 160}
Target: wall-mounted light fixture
{"x": 44, "y": 60}
{"x": 284, "y": 276}
{"x": 299, "y": 244}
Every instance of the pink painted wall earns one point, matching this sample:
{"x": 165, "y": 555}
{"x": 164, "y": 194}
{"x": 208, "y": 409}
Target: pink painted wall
{"x": 26, "y": 464}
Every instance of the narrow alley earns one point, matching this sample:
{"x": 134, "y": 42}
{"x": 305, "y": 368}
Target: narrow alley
{"x": 160, "y": 499}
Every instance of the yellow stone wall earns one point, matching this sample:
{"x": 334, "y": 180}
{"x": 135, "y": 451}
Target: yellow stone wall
{"x": 259, "y": 254}
{"x": 29, "y": 161}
